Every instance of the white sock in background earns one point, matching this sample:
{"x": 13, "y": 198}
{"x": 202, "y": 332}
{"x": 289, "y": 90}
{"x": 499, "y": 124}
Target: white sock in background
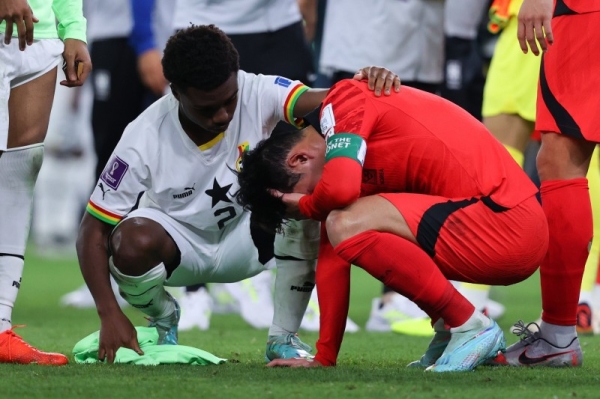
{"x": 19, "y": 168}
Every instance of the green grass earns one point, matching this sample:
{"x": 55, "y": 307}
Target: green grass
{"x": 370, "y": 364}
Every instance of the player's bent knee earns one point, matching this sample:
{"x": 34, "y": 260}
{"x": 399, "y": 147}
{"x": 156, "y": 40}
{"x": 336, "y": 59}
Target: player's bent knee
{"x": 341, "y": 225}
{"x": 135, "y": 245}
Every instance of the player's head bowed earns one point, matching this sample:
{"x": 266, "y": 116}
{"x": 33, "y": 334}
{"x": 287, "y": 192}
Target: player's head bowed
{"x": 265, "y": 169}
{"x": 201, "y": 57}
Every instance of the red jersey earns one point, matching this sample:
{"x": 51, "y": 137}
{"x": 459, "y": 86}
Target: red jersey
{"x": 412, "y": 142}
{"x": 416, "y": 142}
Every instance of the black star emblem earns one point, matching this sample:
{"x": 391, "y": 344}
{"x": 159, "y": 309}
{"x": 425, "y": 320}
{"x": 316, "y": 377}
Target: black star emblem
{"x": 218, "y": 193}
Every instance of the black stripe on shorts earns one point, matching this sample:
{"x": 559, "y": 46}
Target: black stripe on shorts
{"x": 434, "y": 218}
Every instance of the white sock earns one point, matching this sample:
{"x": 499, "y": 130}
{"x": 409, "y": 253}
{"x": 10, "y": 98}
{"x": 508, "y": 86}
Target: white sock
{"x": 11, "y": 270}
{"x": 477, "y": 320}
{"x": 476, "y": 294}
{"x": 145, "y": 292}
{"x": 294, "y": 283}
{"x": 19, "y": 168}
{"x": 585, "y": 297}
{"x": 560, "y": 336}
{"x": 296, "y": 252}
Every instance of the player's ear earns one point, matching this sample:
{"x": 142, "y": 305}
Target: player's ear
{"x": 296, "y": 159}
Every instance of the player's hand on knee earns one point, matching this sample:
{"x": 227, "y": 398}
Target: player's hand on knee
{"x": 535, "y": 23}
{"x": 116, "y": 332}
{"x": 19, "y": 13}
{"x": 379, "y": 79}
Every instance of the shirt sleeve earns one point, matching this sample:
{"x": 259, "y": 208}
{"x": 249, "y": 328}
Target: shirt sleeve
{"x": 71, "y": 22}
{"x": 278, "y": 97}
{"x": 347, "y": 120}
{"x": 142, "y": 37}
{"x": 333, "y": 289}
{"x": 124, "y": 178}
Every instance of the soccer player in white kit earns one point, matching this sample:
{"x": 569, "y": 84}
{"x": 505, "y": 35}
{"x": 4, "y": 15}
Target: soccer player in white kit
{"x": 169, "y": 188}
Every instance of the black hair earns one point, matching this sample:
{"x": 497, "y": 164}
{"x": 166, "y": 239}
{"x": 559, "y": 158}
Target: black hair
{"x": 264, "y": 169}
{"x": 201, "y": 57}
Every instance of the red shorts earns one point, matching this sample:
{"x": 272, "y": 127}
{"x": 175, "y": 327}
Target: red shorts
{"x": 476, "y": 240}
{"x": 568, "y": 99}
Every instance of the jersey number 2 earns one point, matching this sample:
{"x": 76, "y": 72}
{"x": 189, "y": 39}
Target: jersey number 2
{"x": 230, "y": 215}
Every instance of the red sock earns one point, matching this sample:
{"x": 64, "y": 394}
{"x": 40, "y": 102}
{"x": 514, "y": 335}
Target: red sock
{"x": 568, "y": 208}
{"x": 408, "y": 270}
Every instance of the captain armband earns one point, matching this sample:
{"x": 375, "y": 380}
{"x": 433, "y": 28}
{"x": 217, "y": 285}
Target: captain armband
{"x": 346, "y": 145}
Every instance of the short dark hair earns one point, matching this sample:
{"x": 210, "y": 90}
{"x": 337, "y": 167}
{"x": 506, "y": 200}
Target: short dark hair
{"x": 202, "y": 57}
{"x": 263, "y": 169}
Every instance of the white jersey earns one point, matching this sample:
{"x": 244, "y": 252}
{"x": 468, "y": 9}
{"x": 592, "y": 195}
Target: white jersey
{"x": 155, "y": 159}
{"x": 412, "y": 31}
{"x": 236, "y": 17}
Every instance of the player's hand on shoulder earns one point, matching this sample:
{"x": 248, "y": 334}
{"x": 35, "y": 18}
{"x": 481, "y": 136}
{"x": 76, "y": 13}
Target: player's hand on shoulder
{"x": 294, "y": 363}
{"x": 19, "y": 13}
{"x": 379, "y": 78}
{"x": 535, "y": 22}
{"x": 116, "y": 331}
{"x": 77, "y": 63}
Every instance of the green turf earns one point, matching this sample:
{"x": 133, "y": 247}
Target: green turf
{"x": 370, "y": 364}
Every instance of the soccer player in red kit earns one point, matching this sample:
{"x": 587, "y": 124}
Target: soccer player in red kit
{"x": 568, "y": 116}
{"x": 415, "y": 191}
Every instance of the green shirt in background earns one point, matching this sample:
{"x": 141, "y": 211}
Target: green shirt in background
{"x": 69, "y": 13}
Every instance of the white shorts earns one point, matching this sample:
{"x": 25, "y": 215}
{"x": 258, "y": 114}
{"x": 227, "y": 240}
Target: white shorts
{"x": 19, "y": 67}
{"x": 225, "y": 256}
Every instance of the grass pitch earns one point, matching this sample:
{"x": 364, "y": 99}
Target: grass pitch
{"x": 370, "y": 364}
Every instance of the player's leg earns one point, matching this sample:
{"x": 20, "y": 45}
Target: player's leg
{"x": 562, "y": 165}
{"x": 143, "y": 256}
{"x": 364, "y": 232}
{"x": 296, "y": 253}
{"x": 514, "y": 133}
{"x": 28, "y": 110}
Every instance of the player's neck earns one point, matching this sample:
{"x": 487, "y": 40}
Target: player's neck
{"x": 198, "y": 135}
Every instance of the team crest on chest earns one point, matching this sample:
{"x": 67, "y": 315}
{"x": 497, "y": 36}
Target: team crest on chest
{"x": 245, "y": 146}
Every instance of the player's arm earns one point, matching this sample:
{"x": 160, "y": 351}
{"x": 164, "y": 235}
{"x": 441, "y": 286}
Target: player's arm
{"x": 144, "y": 44}
{"x": 339, "y": 186}
{"x": 333, "y": 287}
{"x": 72, "y": 27}
{"x": 92, "y": 251}
{"x": 378, "y": 79}
{"x": 346, "y": 122}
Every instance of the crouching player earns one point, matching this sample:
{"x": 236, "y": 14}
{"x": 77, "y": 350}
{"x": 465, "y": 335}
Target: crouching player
{"x": 162, "y": 213}
{"x": 416, "y": 192}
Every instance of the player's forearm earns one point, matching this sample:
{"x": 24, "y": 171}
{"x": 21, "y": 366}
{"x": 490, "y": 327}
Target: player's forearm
{"x": 339, "y": 187}
{"x": 142, "y": 36}
{"x": 92, "y": 252}
{"x": 308, "y": 101}
{"x": 71, "y": 22}
{"x": 333, "y": 285}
